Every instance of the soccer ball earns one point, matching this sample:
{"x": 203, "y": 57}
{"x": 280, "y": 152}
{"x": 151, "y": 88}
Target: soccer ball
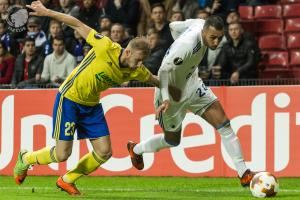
{"x": 264, "y": 184}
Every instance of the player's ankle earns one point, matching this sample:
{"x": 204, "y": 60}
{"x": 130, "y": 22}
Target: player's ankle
{"x": 24, "y": 159}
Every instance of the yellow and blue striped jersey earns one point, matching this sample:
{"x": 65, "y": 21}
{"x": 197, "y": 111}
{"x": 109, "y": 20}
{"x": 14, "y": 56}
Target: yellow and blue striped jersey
{"x": 99, "y": 70}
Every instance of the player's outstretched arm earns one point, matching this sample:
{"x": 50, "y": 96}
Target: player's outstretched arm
{"x": 40, "y": 10}
{"x": 153, "y": 80}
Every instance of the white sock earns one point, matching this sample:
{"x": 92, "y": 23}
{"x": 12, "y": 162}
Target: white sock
{"x": 153, "y": 144}
{"x": 233, "y": 148}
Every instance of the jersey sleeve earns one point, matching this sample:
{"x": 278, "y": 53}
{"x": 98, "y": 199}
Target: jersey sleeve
{"x": 175, "y": 56}
{"x": 142, "y": 74}
{"x": 97, "y": 40}
{"x": 178, "y": 27}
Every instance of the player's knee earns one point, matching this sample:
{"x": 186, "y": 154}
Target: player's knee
{"x": 173, "y": 138}
{"x": 63, "y": 156}
{"x": 104, "y": 153}
{"x": 173, "y": 141}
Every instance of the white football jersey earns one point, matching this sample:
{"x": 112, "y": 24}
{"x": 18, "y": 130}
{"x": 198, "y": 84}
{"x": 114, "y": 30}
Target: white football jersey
{"x": 183, "y": 57}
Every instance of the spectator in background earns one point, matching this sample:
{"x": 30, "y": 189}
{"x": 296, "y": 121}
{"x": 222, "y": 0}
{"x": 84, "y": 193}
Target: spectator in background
{"x": 177, "y": 16}
{"x": 221, "y": 7}
{"x": 45, "y": 21}
{"x": 55, "y": 29}
{"x": 208, "y": 67}
{"x": 68, "y": 7}
{"x": 34, "y": 31}
{"x": 28, "y": 66}
{"x": 153, "y": 62}
{"x": 125, "y": 12}
{"x": 117, "y": 34}
{"x": 11, "y": 45}
{"x": 18, "y": 2}
{"x": 188, "y": 7}
{"x": 101, "y": 4}
{"x": 105, "y": 32}
{"x": 161, "y": 25}
{"x": 58, "y": 65}
{"x": 232, "y": 16}
{"x": 4, "y": 4}
{"x": 89, "y": 14}
{"x": 75, "y": 46}
{"x": 237, "y": 57}
{"x": 105, "y": 22}
{"x": 86, "y": 49}
{"x": 202, "y": 14}
{"x": 7, "y": 62}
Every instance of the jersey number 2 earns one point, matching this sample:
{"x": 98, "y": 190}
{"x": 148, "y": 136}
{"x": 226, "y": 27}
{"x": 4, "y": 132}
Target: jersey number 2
{"x": 69, "y": 128}
{"x": 201, "y": 90}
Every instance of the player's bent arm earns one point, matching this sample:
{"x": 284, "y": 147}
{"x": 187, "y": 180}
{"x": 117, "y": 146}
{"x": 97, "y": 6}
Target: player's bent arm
{"x": 164, "y": 83}
{"x": 40, "y": 10}
{"x": 178, "y": 27}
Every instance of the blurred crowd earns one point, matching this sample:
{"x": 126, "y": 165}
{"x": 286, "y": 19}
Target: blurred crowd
{"x": 44, "y": 54}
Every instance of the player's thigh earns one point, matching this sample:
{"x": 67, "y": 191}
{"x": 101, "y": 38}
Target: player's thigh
{"x": 102, "y": 146}
{"x": 64, "y": 118}
{"x": 171, "y": 120}
{"x": 91, "y": 122}
{"x": 205, "y": 104}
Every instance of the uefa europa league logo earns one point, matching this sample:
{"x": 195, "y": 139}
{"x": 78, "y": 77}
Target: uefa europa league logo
{"x": 17, "y": 19}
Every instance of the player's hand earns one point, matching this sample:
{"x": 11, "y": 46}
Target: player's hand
{"x": 234, "y": 77}
{"x": 39, "y": 9}
{"x": 175, "y": 93}
{"x": 162, "y": 108}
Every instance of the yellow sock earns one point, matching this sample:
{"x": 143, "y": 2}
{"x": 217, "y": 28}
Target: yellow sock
{"x": 86, "y": 165}
{"x": 42, "y": 157}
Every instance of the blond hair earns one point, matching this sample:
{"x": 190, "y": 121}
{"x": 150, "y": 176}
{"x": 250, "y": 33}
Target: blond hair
{"x": 139, "y": 44}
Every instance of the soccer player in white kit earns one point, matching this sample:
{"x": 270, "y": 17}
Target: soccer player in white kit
{"x": 179, "y": 70}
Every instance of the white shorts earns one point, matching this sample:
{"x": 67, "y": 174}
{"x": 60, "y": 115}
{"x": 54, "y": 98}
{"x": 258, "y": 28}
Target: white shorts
{"x": 200, "y": 100}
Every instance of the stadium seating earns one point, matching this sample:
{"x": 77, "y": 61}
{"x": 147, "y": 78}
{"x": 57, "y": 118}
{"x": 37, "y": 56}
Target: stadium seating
{"x": 246, "y": 12}
{"x": 270, "y": 26}
{"x": 276, "y": 74}
{"x": 295, "y": 58}
{"x": 272, "y": 42}
{"x": 289, "y": 1}
{"x": 291, "y": 10}
{"x": 275, "y": 59}
{"x": 292, "y": 25}
{"x": 277, "y": 28}
{"x": 269, "y": 11}
{"x": 293, "y": 41}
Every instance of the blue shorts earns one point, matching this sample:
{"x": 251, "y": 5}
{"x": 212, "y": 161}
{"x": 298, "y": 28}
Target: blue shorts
{"x": 68, "y": 116}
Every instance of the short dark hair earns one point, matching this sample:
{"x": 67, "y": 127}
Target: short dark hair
{"x": 59, "y": 38}
{"x": 214, "y": 21}
{"x": 158, "y": 5}
{"x": 233, "y": 11}
{"x": 238, "y": 23}
{"x": 28, "y": 39}
{"x": 173, "y": 12}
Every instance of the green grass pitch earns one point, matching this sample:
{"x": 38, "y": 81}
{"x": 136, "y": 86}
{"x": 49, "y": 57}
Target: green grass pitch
{"x": 180, "y": 188}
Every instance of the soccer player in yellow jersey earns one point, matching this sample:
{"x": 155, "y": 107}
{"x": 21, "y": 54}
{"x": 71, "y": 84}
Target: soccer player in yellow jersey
{"x": 77, "y": 104}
